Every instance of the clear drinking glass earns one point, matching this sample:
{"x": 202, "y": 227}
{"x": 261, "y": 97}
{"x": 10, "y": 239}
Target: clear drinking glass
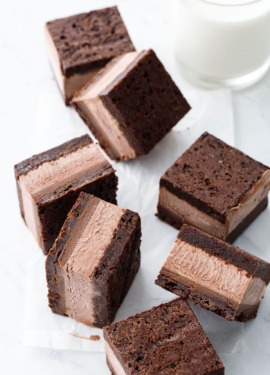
{"x": 222, "y": 43}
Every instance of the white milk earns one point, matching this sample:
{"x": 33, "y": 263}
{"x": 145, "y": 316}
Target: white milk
{"x": 222, "y": 42}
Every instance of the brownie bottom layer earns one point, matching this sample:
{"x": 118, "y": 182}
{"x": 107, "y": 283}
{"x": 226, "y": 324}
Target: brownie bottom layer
{"x": 213, "y": 304}
{"x": 247, "y": 220}
{"x": 176, "y": 222}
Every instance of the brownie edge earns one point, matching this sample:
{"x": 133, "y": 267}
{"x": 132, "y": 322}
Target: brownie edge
{"x": 215, "y": 275}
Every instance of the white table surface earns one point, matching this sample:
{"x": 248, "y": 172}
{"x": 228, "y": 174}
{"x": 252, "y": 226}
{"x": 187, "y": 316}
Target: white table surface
{"x": 24, "y": 69}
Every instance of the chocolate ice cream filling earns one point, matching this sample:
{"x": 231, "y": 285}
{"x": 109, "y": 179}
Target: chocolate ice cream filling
{"x": 213, "y": 276}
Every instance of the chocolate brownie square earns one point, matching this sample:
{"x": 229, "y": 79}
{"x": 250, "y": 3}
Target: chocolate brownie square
{"x": 215, "y": 275}
{"x": 93, "y": 261}
{"x": 49, "y": 184}
{"x": 214, "y": 187}
{"x": 131, "y": 105}
{"x": 167, "y": 340}
{"x": 79, "y": 46}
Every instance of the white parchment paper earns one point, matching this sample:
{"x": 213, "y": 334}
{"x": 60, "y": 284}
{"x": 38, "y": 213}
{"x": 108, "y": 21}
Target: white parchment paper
{"x": 138, "y": 191}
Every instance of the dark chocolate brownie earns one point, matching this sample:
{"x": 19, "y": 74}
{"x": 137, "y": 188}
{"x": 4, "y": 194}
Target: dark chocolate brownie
{"x": 113, "y": 274}
{"x": 228, "y": 269}
{"x": 90, "y": 39}
{"x": 168, "y": 339}
{"x": 52, "y": 206}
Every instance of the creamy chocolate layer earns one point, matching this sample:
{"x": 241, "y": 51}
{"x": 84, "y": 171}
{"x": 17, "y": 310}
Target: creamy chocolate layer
{"x": 89, "y": 101}
{"x": 204, "y": 272}
{"x": 212, "y": 276}
{"x": 51, "y": 175}
{"x": 188, "y": 213}
{"x": 71, "y": 84}
{"x": 85, "y": 247}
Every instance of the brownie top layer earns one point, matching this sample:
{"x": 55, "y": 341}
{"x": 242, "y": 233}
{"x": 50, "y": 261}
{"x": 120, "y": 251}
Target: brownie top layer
{"x": 213, "y": 176}
{"x": 89, "y": 39}
{"x": 145, "y": 101}
{"x": 255, "y": 267}
{"x": 55, "y": 153}
{"x": 168, "y": 339}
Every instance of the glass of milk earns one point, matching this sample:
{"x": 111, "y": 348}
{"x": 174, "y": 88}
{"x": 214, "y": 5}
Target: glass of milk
{"x": 222, "y": 43}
